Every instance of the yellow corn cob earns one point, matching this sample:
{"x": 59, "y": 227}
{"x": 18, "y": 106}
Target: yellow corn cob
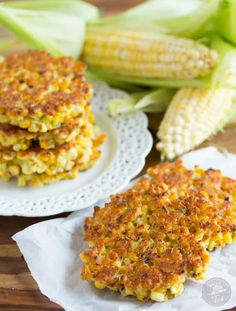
{"x": 147, "y": 55}
{"x": 192, "y": 116}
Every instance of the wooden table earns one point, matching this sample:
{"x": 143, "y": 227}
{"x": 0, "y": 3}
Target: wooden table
{"x": 18, "y": 290}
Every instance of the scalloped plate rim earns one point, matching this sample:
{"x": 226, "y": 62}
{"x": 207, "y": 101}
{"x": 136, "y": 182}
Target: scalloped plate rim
{"x": 110, "y": 92}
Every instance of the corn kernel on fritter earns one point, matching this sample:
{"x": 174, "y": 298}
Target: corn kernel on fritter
{"x": 51, "y": 162}
{"x": 38, "y": 180}
{"x": 47, "y": 128}
{"x": 138, "y": 249}
{"x": 147, "y": 240}
{"x": 20, "y": 139}
{"x": 207, "y": 199}
{"x": 39, "y": 92}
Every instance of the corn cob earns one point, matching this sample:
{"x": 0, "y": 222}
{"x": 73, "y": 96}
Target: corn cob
{"x": 147, "y": 55}
{"x": 192, "y": 116}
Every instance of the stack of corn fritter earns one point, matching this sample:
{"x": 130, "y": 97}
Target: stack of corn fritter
{"x": 47, "y": 130}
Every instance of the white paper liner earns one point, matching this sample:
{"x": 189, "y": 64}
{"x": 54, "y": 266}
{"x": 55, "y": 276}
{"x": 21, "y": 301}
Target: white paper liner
{"x": 51, "y": 250}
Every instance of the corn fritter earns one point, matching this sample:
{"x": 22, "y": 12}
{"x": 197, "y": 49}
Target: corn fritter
{"x": 19, "y": 139}
{"x": 207, "y": 198}
{"x": 39, "y": 92}
{"x": 147, "y": 240}
{"x": 51, "y": 162}
{"x": 39, "y": 180}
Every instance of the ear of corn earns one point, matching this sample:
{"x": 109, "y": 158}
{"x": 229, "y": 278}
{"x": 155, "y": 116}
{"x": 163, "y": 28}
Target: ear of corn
{"x": 192, "y": 116}
{"x": 148, "y": 55}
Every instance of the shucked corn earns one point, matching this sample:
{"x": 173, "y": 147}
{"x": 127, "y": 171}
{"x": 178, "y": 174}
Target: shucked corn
{"x": 147, "y": 55}
{"x": 192, "y": 116}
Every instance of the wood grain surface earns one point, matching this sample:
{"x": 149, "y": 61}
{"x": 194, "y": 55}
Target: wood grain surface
{"x": 18, "y": 290}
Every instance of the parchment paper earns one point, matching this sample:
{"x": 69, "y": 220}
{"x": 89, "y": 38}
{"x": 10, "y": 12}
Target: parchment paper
{"x": 51, "y": 250}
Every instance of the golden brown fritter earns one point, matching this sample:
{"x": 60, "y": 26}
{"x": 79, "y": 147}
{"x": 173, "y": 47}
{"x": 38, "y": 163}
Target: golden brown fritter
{"x": 147, "y": 240}
{"x": 39, "y": 92}
{"x": 38, "y": 180}
{"x": 139, "y": 249}
{"x": 50, "y": 162}
{"x": 207, "y": 199}
{"x": 20, "y": 139}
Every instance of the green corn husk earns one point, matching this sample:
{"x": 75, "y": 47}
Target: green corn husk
{"x": 55, "y": 26}
{"x": 224, "y": 75}
{"x": 176, "y": 17}
{"x": 225, "y": 21}
{"x": 77, "y": 8}
{"x": 149, "y": 101}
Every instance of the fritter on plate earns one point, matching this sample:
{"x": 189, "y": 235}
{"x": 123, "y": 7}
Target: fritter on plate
{"x": 20, "y": 139}
{"x": 39, "y": 92}
{"x": 51, "y": 162}
{"x": 38, "y": 180}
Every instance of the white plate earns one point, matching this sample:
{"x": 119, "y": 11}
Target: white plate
{"x": 123, "y": 157}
